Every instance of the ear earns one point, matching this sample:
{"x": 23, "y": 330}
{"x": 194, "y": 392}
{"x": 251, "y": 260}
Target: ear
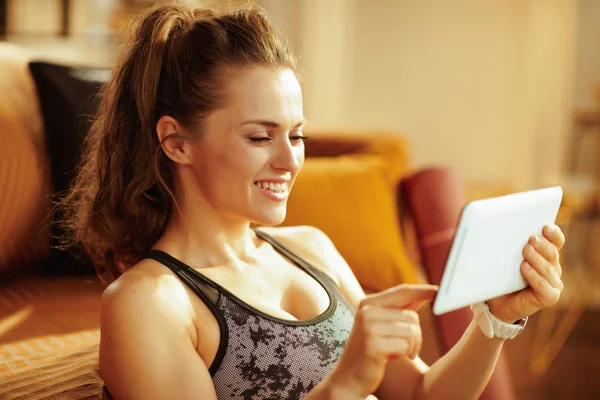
{"x": 174, "y": 140}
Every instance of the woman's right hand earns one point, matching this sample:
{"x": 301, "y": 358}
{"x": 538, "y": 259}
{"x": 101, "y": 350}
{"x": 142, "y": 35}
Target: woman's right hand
{"x": 386, "y": 327}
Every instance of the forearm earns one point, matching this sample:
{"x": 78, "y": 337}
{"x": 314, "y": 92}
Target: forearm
{"x": 465, "y": 370}
{"x": 330, "y": 389}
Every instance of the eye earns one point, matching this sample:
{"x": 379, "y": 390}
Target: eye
{"x": 298, "y": 137}
{"x": 259, "y": 139}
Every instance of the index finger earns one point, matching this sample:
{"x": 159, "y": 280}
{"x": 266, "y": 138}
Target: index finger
{"x": 402, "y": 295}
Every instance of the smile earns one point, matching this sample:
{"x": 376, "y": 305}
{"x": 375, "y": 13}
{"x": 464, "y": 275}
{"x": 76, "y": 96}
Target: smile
{"x": 274, "y": 187}
{"x": 273, "y": 190}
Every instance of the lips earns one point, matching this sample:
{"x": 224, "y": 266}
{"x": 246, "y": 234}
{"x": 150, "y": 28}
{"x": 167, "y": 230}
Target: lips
{"x": 276, "y": 191}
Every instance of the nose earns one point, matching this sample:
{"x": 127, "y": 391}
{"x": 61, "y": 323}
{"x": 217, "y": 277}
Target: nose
{"x": 286, "y": 156}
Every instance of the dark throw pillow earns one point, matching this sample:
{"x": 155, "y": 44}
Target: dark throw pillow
{"x": 68, "y": 100}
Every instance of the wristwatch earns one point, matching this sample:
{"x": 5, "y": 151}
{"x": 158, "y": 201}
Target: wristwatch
{"x": 492, "y": 326}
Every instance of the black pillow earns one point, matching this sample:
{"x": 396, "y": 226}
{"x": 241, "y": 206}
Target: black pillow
{"x": 69, "y": 101}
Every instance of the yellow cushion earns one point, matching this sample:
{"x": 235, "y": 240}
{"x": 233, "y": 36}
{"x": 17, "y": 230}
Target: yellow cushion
{"x": 351, "y": 199}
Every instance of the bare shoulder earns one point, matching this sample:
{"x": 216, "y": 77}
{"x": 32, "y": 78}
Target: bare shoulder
{"x": 147, "y": 331}
{"x": 146, "y": 280}
{"x": 310, "y": 243}
{"x": 311, "y": 234}
{"x": 148, "y": 292}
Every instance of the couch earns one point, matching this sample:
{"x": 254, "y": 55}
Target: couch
{"x": 49, "y": 317}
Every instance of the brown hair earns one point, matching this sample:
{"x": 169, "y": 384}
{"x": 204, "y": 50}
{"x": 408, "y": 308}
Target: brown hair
{"x": 173, "y": 64}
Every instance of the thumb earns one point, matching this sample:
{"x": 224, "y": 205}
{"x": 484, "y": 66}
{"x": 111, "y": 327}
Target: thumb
{"x": 403, "y": 296}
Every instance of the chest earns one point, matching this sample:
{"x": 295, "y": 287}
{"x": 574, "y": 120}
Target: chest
{"x": 278, "y": 289}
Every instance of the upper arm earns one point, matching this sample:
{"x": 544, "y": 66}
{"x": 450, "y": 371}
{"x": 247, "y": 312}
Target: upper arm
{"x": 403, "y": 377}
{"x": 145, "y": 348}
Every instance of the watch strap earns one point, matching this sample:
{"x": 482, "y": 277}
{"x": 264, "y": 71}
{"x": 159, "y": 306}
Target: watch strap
{"x": 494, "y": 327}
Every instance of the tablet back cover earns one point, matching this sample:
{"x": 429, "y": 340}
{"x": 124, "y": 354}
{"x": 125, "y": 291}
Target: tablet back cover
{"x": 486, "y": 254}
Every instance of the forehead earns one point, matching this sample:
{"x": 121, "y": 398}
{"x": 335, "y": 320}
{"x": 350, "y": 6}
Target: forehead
{"x": 263, "y": 92}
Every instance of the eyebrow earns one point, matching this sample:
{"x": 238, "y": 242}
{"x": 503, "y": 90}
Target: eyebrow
{"x": 271, "y": 124}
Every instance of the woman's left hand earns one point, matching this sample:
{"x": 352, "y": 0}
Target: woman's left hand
{"x": 542, "y": 271}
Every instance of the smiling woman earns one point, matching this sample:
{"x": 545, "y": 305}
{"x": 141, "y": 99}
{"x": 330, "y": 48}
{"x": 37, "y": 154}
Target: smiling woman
{"x": 198, "y": 137}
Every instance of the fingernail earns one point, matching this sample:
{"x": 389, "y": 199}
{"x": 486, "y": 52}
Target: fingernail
{"x": 527, "y": 266}
{"x": 535, "y": 240}
{"x": 551, "y": 229}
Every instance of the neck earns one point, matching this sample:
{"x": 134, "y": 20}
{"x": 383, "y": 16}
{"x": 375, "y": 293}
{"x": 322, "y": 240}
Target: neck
{"x": 197, "y": 232}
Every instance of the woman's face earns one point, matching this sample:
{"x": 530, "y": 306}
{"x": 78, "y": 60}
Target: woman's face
{"x": 251, "y": 150}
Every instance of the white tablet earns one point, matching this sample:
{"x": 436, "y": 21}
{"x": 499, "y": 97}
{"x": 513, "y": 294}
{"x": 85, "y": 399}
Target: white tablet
{"x": 487, "y": 250}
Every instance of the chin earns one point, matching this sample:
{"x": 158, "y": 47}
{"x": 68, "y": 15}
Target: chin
{"x": 270, "y": 218}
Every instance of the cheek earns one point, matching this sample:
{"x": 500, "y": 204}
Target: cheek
{"x": 245, "y": 160}
{"x": 215, "y": 161}
{"x": 238, "y": 163}
{"x": 210, "y": 166}
{"x": 245, "y": 163}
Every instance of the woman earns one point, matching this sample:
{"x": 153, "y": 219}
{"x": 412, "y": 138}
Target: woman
{"x": 198, "y": 136}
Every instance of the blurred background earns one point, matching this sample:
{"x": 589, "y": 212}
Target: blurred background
{"x": 490, "y": 87}
{"x": 506, "y": 92}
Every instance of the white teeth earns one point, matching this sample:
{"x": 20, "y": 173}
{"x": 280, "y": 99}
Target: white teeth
{"x": 276, "y": 187}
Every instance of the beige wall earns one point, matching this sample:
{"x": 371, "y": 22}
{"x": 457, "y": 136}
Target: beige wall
{"x": 588, "y": 55}
{"x": 483, "y": 85}
{"x": 33, "y": 16}
{"x": 43, "y": 17}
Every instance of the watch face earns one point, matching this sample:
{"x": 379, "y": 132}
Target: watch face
{"x": 523, "y": 322}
